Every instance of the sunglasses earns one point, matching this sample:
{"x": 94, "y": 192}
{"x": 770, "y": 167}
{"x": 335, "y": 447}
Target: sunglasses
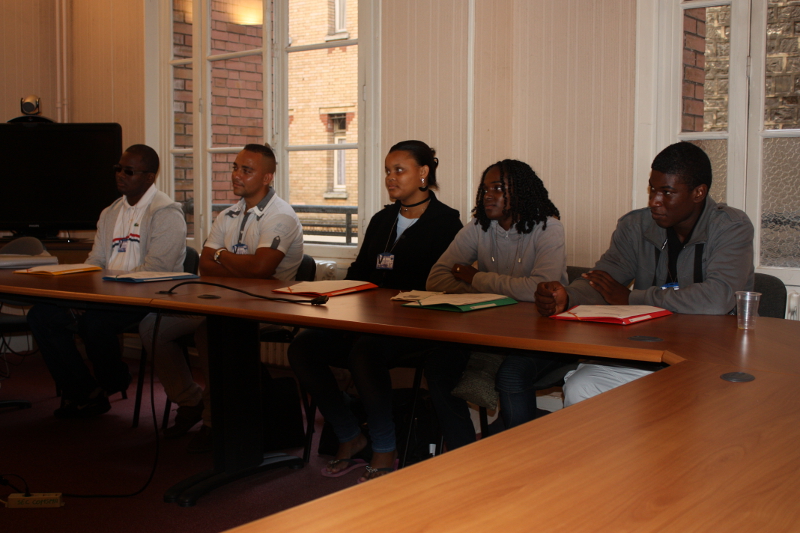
{"x": 129, "y": 172}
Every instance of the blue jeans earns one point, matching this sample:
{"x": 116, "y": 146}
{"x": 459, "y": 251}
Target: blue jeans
{"x": 53, "y": 328}
{"x": 514, "y": 381}
{"x": 369, "y": 358}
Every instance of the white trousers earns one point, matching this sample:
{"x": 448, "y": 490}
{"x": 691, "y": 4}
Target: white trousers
{"x": 590, "y": 379}
{"x": 170, "y": 364}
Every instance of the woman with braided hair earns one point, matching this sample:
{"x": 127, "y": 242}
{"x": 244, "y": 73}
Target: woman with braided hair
{"x": 518, "y": 241}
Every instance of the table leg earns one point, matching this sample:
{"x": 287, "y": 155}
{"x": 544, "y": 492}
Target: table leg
{"x": 238, "y": 421}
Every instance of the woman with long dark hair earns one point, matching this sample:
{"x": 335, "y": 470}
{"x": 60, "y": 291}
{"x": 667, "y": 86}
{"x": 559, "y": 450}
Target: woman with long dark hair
{"x": 401, "y": 244}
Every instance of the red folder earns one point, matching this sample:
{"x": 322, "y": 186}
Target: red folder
{"x": 612, "y": 314}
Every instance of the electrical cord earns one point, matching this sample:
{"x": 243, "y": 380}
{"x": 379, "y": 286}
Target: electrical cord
{"x": 155, "y": 426}
{"x": 319, "y": 300}
{"x": 4, "y": 481}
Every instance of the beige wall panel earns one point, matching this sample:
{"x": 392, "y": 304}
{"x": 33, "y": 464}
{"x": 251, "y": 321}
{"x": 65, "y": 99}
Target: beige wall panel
{"x": 573, "y": 100}
{"x": 106, "y": 65}
{"x": 424, "y": 85}
{"x": 494, "y": 104}
{"x": 27, "y": 56}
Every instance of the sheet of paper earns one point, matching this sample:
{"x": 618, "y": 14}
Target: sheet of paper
{"x": 611, "y": 311}
{"x": 151, "y": 275}
{"x": 460, "y": 299}
{"x": 324, "y": 286}
{"x": 57, "y": 269}
{"x": 414, "y": 296}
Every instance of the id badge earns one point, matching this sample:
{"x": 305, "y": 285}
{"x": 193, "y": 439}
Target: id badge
{"x": 240, "y": 249}
{"x": 385, "y": 261}
{"x": 123, "y": 246}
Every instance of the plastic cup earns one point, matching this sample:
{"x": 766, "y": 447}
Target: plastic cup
{"x": 747, "y": 309}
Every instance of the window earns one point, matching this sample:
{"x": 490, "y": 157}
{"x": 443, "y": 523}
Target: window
{"x": 339, "y": 16}
{"x": 338, "y": 127}
{"x": 724, "y": 75}
{"x": 321, "y": 149}
{"x": 226, "y": 80}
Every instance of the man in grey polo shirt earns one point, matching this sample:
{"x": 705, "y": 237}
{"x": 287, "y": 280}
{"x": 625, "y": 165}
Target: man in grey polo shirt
{"x": 258, "y": 237}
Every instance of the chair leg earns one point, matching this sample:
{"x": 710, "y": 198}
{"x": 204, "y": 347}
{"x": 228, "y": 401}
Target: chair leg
{"x": 412, "y": 421}
{"x": 167, "y": 407}
{"x": 310, "y": 408}
{"x": 139, "y": 387}
{"x": 484, "y": 420}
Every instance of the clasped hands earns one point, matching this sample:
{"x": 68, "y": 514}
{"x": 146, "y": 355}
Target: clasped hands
{"x": 464, "y": 272}
{"x": 552, "y": 298}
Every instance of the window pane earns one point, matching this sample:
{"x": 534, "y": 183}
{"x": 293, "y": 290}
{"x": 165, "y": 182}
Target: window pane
{"x": 329, "y": 213}
{"x": 780, "y": 203}
{"x": 184, "y": 188}
{"x": 181, "y": 29}
{"x": 237, "y": 105}
{"x": 315, "y": 21}
{"x": 236, "y": 25}
{"x": 706, "y": 58}
{"x": 782, "y": 87}
{"x": 182, "y": 105}
{"x": 717, "y": 150}
{"x": 221, "y": 190}
{"x": 323, "y": 90}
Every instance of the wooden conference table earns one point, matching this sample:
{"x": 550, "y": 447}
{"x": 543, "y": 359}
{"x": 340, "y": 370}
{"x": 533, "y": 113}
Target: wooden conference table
{"x": 679, "y": 450}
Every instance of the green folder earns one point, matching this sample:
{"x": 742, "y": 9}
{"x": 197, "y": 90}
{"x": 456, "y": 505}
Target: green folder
{"x": 464, "y": 308}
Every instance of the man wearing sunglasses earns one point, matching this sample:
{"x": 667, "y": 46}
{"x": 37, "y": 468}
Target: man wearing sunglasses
{"x": 143, "y": 230}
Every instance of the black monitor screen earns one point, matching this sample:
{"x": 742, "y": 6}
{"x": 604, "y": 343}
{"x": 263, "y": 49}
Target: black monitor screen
{"x": 56, "y": 176}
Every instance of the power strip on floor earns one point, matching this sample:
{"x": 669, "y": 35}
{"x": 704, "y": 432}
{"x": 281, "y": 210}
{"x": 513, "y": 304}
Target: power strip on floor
{"x": 37, "y": 500}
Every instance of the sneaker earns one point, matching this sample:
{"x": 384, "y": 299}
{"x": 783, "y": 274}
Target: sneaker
{"x": 187, "y": 417}
{"x": 202, "y": 442}
{"x": 88, "y": 408}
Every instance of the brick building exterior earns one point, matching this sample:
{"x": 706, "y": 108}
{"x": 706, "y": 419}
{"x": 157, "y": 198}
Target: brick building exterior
{"x": 706, "y": 58}
{"x": 322, "y": 98}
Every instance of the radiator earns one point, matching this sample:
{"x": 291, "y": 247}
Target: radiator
{"x": 274, "y": 353}
{"x": 793, "y": 305}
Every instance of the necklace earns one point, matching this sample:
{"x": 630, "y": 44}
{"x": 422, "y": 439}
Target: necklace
{"x": 407, "y": 207}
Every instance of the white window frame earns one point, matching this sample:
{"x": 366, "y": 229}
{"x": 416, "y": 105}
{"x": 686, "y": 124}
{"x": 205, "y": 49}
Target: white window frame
{"x": 159, "y": 127}
{"x": 370, "y": 161}
{"x": 659, "y": 37}
{"x": 339, "y": 163}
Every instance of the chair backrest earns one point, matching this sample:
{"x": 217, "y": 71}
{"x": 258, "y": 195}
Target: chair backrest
{"x": 192, "y": 262}
{"x": 574, "y": 273}
{"x": 773, "y": 296}
{"x": 307, "y": 270}
{"x": 23, "y": 246}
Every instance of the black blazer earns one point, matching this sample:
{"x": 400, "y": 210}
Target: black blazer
{"x": 418, "y": 248}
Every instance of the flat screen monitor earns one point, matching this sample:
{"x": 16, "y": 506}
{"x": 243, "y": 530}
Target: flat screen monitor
{"x": 56, "y": 177}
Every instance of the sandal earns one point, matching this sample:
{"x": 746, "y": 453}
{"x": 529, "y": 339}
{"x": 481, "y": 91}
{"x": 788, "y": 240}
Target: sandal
{"x": 352, "y": 464}
{"x": 371, "y": 471}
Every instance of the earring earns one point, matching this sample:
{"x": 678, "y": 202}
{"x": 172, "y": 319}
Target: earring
{"x": 424, "y": 187}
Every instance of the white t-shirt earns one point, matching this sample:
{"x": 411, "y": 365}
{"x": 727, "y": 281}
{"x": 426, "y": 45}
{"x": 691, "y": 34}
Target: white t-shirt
{"x": 126, "y": 250}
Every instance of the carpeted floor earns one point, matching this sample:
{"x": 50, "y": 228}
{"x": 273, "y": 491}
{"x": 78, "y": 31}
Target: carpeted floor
{"x": 106, "y": 456}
